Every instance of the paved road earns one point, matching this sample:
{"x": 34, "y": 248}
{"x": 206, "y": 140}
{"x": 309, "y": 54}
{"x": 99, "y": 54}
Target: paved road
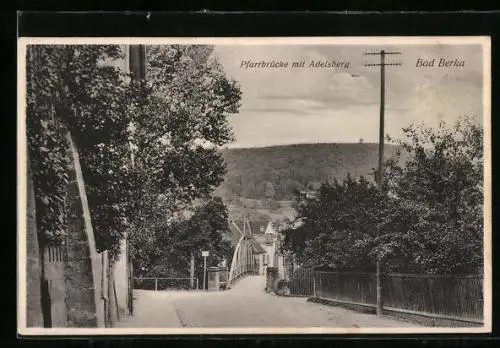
{"x": 245, "y": 305}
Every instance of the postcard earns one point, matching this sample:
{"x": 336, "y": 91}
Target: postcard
{"x": 254, "y": 185}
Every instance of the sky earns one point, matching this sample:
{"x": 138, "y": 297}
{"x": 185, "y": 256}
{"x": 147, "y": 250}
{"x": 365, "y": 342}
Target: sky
{"x": 341, "y": 105}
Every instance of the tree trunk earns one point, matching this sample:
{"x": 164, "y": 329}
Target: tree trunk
{"x": 111, "y": 294}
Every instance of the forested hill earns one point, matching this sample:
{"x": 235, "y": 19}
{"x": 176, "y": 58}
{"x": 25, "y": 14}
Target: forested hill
{"x": 276, "y": 171}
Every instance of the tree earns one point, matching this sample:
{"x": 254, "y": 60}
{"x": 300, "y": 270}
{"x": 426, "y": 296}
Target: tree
{"x": 442, "y": 182}
{"x": 250, "y": 190}
{"x": 293, "y": 187}
{"x": 269, "y": 190}
{"x": 180, "y": 119}
{"x": 240, "y": 213}
{"x": 71, "y": 91}
{"x": 330, "y": 224}
{"x": 265, "y": 190}
{"x": 173, "y": 122}
{"x": 427, "y": 219}
{"x": 174, "y": 240}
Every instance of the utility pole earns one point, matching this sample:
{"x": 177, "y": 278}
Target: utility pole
{"x": 137, "y": 64}
{"x": 380, "y": 179}
{"x": 137, "y": 61}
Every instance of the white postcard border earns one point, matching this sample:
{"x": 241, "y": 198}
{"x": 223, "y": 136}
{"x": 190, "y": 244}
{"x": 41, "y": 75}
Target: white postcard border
{"x": 346, "y": 40}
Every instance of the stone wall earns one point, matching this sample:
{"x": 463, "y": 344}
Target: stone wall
{"x": 271, "y": 279}
{"x": 54, "y": 257}
{"x": 34, "y": 316}
{"x": 72, "y": 271}
{"x": 83, "y": 268}
{"x": 78, "y": 279}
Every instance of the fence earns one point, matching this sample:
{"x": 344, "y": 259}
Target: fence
{"x": 351, "y": 287}
{"x": 165, "y": 284}
{"x": 458, "y": 297}
{"x": 300, "y": 281}
{"x": 439, "y": 295}
{"x": 454, "y": 296}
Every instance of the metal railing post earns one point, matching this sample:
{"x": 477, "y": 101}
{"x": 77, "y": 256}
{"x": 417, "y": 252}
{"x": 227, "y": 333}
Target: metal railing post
{"x": 156, "y": 284}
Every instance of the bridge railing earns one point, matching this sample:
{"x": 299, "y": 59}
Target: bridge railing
{"x": 243, "y": 261}
{"x": 240, "y": 272}
{"x": 158, "y": 284}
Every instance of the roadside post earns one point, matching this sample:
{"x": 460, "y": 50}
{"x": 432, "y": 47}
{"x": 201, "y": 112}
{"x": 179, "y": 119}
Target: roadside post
{"x": 191, "y": 273}
{"x": 205, "y": 255}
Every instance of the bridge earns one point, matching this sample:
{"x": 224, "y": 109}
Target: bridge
{"x": 244, "y": 262}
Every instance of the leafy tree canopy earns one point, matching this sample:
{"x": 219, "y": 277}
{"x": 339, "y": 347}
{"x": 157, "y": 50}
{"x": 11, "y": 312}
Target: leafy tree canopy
{"x": 70, "y": 91}
{"x": 165, "y": 247}
{"x": 428, "y": 218}
{"x": 169, "y": 125}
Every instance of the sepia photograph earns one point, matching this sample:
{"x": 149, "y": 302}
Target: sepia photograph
{"x": 250, "y": 186}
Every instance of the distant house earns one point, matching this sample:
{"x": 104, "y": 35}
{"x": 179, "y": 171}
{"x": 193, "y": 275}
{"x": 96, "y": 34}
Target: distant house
{"x": 309, "y": 194}
{"x": 269, "y": 240}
